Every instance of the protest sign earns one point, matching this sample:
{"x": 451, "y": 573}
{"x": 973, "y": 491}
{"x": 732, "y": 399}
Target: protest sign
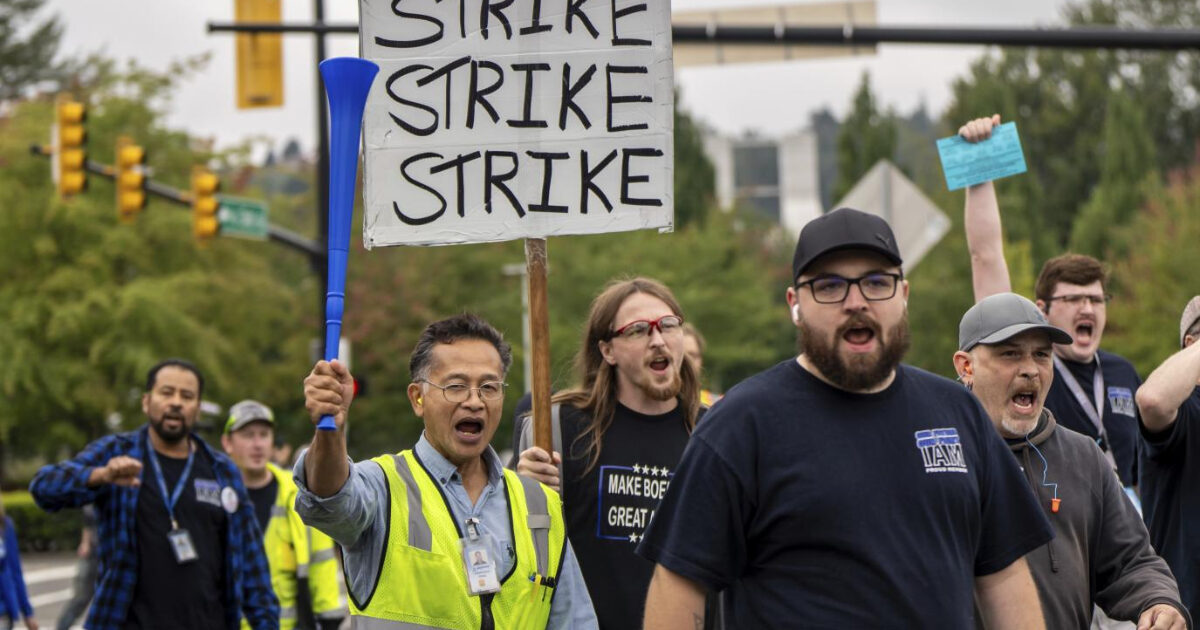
{"x": 494, "y": 120}
{"x": 969, "y": 163}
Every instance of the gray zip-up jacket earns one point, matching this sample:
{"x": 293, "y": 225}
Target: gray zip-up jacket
{"x": 1101, "y": 551}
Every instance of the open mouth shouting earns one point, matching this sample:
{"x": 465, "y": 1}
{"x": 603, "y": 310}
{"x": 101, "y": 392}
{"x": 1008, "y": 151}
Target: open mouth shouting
{"x": 1024, "y": 402}
{"x": 1085, "y": 332}
{"x": 859, "y": 334}
{"x": 660, "y": 365}
{"x": 469, "y": 430}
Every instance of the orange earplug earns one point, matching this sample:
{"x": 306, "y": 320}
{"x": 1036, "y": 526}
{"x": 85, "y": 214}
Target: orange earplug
{"x": 1054, "y": 504}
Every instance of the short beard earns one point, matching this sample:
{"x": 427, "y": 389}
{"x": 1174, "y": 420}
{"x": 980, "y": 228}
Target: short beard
{"x": 664, "y": 392}
{"x": 861, "y": 372}
{"x": 169, "y": 437}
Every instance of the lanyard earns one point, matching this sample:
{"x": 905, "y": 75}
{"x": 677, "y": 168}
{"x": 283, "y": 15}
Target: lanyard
{"x": 1094, "y": 413}
{"x": 179, "y": 484}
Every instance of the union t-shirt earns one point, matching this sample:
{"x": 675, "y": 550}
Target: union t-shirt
{"x": 820, "y": 508}
{"x": 1119, "y": 413}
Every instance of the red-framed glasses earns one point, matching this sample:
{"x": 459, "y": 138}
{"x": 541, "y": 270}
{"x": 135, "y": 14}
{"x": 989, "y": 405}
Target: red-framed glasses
{"x": 637, "y": 329}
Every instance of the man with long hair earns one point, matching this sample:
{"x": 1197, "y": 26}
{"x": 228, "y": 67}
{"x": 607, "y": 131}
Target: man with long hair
{"x": 623, "y": 428}
{"x": 841, "y": 488}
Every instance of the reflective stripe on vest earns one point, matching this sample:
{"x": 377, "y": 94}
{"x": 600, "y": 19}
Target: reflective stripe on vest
{"x": 423, "y": 549}
{"x": 370, "y": 623}
{"x": 419, "y": 535}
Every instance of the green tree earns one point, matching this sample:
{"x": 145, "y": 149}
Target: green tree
{"x": 695, "y": 180}
{"x": 1127, "y": 159}
{"x": 27, "y": 47}
{"x": 866, "y": 136}
{"x": 90, "y": 304}
{"x": 1155, "y": 279}
{"x": 1061, "y": 99}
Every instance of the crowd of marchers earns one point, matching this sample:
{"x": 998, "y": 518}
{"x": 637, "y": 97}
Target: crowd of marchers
{"x": 1049, "y": 487}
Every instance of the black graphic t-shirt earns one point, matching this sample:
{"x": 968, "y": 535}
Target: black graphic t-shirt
{"x": 820, "y": 508}
{"x": 169, "y": 594}
{"x": 608, "y": 507}
{"x": 1119, "y": 414}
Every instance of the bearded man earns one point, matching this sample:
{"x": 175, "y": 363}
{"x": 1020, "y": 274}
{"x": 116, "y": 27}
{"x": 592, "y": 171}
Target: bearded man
{"x": 623, "y": 429}
{"x": 842, "y": 488}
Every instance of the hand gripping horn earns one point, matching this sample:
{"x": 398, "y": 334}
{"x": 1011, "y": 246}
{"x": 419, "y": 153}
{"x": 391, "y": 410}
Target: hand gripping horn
{"x": 347, "y": 82}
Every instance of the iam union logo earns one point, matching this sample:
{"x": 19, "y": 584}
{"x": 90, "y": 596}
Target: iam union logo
{"x": 941, "y": 450}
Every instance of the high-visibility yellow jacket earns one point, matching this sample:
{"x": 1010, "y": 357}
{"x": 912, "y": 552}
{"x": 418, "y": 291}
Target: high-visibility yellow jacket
{"x": 422, "y": 582}
{"x": 299, "y": 554}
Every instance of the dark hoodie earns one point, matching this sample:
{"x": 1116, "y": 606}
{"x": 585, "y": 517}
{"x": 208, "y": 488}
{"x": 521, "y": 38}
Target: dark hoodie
{"x": 1101, "y": 551}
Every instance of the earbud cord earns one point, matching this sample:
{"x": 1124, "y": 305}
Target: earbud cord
{"x": 1045, "y": 468}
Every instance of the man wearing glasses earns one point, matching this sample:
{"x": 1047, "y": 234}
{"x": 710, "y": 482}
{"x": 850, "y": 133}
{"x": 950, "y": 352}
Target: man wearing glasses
{"x": 1094, "y": 390}
{"x": 623, "y": 429}
{"x": 842, "y": 489}
{"x": 412, "y": 524}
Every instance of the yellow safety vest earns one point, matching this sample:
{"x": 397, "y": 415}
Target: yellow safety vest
{"x": 422, "y": 583}
{"x": 294, "y": 552}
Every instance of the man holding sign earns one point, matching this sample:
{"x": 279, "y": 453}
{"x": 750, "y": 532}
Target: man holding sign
{"x": 623, "y": 429}
{"x": 1093, "y": 391}
{"x": 413, "y": 525}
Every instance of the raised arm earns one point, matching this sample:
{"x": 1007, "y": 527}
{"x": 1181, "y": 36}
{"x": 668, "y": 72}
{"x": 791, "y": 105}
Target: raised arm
{"x": 328, "y": 390}
{"x": 981, "y": 217}
{"x": 1008, "y": 599}
{"x": 673, "y": 602}
{"x": 1169, "y": 385}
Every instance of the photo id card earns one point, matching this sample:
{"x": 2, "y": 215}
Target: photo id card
{"x": 478, "y": 562}
{"x": 181, "y": 545}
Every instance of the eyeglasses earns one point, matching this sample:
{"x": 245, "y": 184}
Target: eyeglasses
{"x": 1077, "y": 299}
{"x": 667, "y": 324}
{"x": 834, "y": 289}
{"x": 490, "y": 391}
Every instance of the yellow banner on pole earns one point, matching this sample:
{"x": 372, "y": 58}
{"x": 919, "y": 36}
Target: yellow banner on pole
{"x": 259, "y": 56}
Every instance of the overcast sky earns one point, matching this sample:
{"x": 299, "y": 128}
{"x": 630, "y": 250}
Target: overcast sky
{"x": 768, "y": 98}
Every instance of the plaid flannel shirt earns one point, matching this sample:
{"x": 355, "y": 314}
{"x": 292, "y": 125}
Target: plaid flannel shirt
{"x": 247, "y": 578}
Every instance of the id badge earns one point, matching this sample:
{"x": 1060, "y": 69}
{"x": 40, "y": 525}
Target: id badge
{"x": 181, "y": 545}
{"x": 480, "y": 566}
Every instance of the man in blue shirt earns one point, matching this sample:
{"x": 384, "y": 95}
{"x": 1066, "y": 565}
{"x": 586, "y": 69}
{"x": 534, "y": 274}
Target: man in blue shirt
{"x": 179, "y": 547}
{"x": 410, "y": 523}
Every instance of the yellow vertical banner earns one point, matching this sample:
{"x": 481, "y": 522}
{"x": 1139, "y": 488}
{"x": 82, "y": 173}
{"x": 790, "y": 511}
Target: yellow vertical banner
{"x": 259, "y": 56}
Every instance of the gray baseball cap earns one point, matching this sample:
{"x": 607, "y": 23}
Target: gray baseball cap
{"x": 247, "y": 411}
{"x": 999, "y": 317}
{"x": 1191, "y": 314}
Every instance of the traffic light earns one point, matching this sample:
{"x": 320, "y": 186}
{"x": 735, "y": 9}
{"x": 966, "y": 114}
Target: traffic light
{"x": 205, "y": 184}
{"x": 131, "y": 194}
{"x": 69, "y": 153}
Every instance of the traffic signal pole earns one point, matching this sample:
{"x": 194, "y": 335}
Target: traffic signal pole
{"x": 314, "y": 250}
{"x": 318, "y": 264}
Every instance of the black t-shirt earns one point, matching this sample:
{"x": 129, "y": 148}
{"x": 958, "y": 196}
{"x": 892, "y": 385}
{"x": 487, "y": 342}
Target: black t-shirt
{"x": 821, "y": 508}
{"x": 1170, "y": 486}
{"x": 1120, "y": 413}
{"x": 264, "y": 499}
{"x": 169, "y": 594}
{"x": 608, "y": 507}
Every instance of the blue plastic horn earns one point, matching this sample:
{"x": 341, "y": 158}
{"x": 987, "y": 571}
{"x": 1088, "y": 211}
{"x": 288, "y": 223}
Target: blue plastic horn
{"x": 347, "y": 82}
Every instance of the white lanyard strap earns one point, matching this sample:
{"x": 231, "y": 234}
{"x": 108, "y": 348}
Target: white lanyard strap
{"x": 1094, "y": 413}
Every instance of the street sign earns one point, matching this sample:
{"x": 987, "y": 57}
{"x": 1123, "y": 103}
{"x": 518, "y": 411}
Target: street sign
{"x": 243, "y": 218}
{"x": 917, "y": 222}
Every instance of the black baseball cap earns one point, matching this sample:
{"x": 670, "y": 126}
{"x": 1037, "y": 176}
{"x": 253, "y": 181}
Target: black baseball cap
{"x": 844, "y": 228}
